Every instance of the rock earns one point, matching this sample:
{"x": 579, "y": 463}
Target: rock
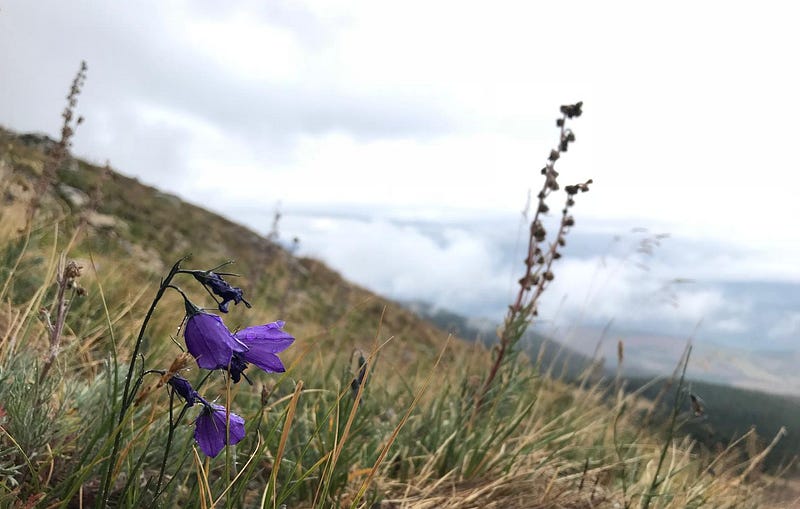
{"x": 75, "y": 197}
{"x": 38, "y": 140}
{"x": 105, "y": 221}
{"x": 71, "y": 165}
{"x": 145, "y": 258}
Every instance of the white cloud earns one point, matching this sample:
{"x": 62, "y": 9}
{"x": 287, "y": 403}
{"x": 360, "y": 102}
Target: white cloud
{"x": 596, "y": 290}
{"x": 787, "y": 327}
{"x": 444, "y": 111}
{"x": 454, "y": 270}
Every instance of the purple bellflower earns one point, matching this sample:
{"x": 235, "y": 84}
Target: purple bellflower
{"x": 218, "y": 286}
{"x": 209, "y": 428}
{"x": 262, "y": 342}
{"x": 209, "y": 340}
{"x": 211, "y": 432}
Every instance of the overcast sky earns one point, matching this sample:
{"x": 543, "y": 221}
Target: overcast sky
{"x": 401, "y": 139}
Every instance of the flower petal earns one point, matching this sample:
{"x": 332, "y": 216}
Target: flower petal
{"x": 211, "y": 433}
{"x": 263, "y": 358}
{"x": 207, "y": 434}
{"x": 209, "y": 341}
{"x": 269, "y": 337}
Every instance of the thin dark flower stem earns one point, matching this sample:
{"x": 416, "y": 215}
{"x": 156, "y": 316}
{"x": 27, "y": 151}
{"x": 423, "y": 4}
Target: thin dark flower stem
{"x": 140, "y": 379}
{"x": 203, "y": 381}
{"x": 170, "y": 434}
{"x": 173, "y": 425}
{"x": 178, "y": 290}
{"x": 212, "y": 269}
{"x": 127, "y": 396}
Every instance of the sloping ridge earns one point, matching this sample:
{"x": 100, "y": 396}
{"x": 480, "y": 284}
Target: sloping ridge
{"x": 132, "y": 228}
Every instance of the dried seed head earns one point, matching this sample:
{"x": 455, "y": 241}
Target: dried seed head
{"x": 572, "y": 110}
{"x": 538, "y": 231}
{"x": 72, "y": 270}
{"x": 181, "y": 362}
{"x": 549, "y": 276}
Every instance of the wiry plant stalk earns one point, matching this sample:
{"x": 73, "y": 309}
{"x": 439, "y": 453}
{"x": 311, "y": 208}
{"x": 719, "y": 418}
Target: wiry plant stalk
{"x": 60, "y": 151}
{"x": 127, "y": 394}
{"x": 538, "y": 262}
{"x": 66, "y": 275}
{"x": 52, "y": 164}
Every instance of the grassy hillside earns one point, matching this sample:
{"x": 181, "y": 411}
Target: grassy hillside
{"x": 125, "y": 228}
{"x": 730, "y": 412}
{"x": 376, "y": 408}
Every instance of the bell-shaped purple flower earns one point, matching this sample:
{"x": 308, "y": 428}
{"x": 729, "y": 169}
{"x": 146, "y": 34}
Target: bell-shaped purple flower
{"x": 211, "y": 432}
{"x": 209, "y": 340}
{"x": 263, "y": 342}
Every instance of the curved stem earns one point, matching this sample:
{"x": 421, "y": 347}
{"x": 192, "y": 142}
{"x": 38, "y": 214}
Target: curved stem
{"x": 173, "y": 425}
{"x": 167, "y": 448}
{"x": 127, "y": 394}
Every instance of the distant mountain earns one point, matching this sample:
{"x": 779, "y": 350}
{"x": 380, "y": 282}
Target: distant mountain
{"x": 653, "y": 353}
{"x": 729, "y": 409}
{"x": 553, "y": 356}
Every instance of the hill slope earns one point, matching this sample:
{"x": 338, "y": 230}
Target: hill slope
{"x": 130, "y": 228}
